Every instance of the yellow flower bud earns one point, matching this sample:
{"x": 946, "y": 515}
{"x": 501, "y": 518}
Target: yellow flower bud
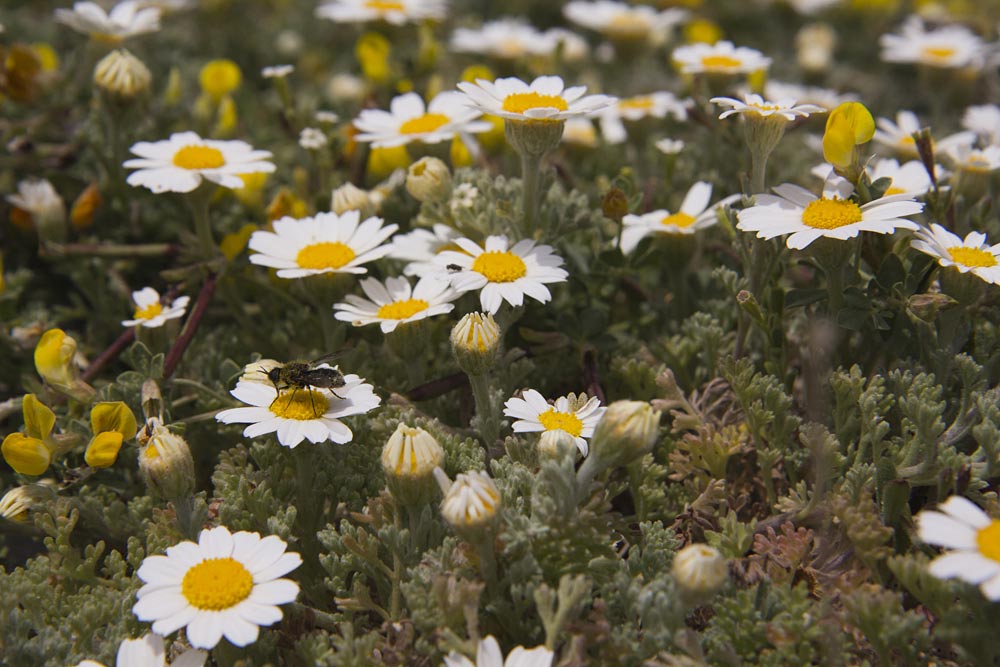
{"x": 122, "y": 74}
{"x": 372, "y": 52}
{"x": 349, "y": 197}
{"x": 475, "y": 342}
{"x": 233, "y": 244}
{"x": 102, "y": 452}
{"x": 384, "y": 161}
{"x": 166, "y": 465}
{"x": 471, "y": 502}
{"x": 113, "y": 416}
{"x": 286, "y": 204}
{"x": 409, "y": 458}
{"x": 428, "y": 180}
{"x": 226, "y": 124}
{"x": 39, "y": 420}
{"x": 702, "y": 30}
{"x": 81, "y": 215}
{"x": 220, "y": 77}
{"x": 26, "y": 455}
{"x": 849, "y": 125}
{"x": 47, "y": 56}
{"x": 16, "y": 503}
{"x": 627, "y": 432}
{"x": 53, "y": 356}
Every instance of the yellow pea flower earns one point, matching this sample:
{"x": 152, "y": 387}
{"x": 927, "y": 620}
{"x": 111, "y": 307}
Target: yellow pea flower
{"x": 460, "y": 154}
{"x": 473, "y": 72}
{"x": 233, "y": 244}
{"x": 26, "y": 455}
{"x": 54, "y": 356}
{"x": 39, "y": 420}
{"x": 81, "y": 215}
{"x": 219, "y": 78}
{"x": 113, "y": 416}
{"x": 702, "y": 30}
{"x": 226, "y": 123}
{"x": 849, "y": 125}
{"x": 372, "y": 52}
{"x": 102, "y": 452}
{"x": 384, "y": 161}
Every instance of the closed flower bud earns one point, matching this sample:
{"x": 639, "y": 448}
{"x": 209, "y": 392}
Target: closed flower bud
{"x": 428, "y": 180}
{"x": 26, "y": 455}
{"x": 475, "y": 342}
{"x": 166, "y": 465}
{"x": 700, "y": 570}
{"x": 349, "y": 197}
{"x": 627, "y": 432}
{"x": 18, "y": 502}
{"x": 615, "y": 204}
{"x": 409, "y": 459}
{"x": 219, "y": 78}
{"x": 555, "y": 445}
{"x": 346, "y": 88}
{"x": 470, "y": 502}
{"x": 102, "y": 452}
{"x": 121, "y": 74}
{"x": 81, "y": 215}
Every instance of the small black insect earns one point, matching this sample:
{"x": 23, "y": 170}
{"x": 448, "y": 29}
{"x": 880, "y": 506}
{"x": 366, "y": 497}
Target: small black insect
{"x": 296, "y": 375}
{"x": 453, "y": 268}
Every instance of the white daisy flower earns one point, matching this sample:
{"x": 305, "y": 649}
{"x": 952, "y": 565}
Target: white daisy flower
{"x": 396, "y": 302}
{"x": 396, "y": 12}
{"x": 507, "y": 38}
{"x": 148, "y": 651}
{"x": 225, "y": 585}
{"x": 898, "y": 136}
{"x": 910, "y": 178}
{"x": 974, "y": 539}
{"x": 179, "y": 164}
{"x": 149, "y": 311}
{"x": 951, "y": 46}
{"x": 569, "y": 414}
{"x": 409, "y": 120}
{"x": 635, "y": 108}
{"x": 126, "y": 19}
{"x": 621, "y": 21}
{"x": 327, "y": 117}
{"x": 719, "y": 58}
{"x": 545, "y": 98}
{"x": 503, "y": 274}
{"x": 312, "y": 139}
{"x": 973, "y": 254}
{"x": 695, "y": 214}
{"x": 421, "y": 246}
{"x": 489, "y": 655}
{"x": 756, "y": 105}
{"x": 669, "y": 146}
{"x": 971, "y": 159}
{"x": 298, "y": 414}
{"x": 277, "y": 71}
{"x": 822, "y": 97}
{"x": 984, "y": 120}
{"x": 324, "y": 243}
{"x": 806, "y": 217}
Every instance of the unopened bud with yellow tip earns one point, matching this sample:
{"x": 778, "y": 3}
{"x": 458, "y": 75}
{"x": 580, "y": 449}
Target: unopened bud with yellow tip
{"x": 700, "y": 571}
{"x": 17, "y": 503}
{"x": 122, "y": 75}
{"x": 428, "y": 180}
{"x": 349, "y": 197}
{"x": 166, "y": 464}
{"x": 626, "y": 433}
{"x": 475, "y": 342}
{"x": 408, "y": 459}
{"x": 471, "y": 502}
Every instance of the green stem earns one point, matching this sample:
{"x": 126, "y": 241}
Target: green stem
{"x": 395, "y": 602}
{"x": 184, "y": 511}
{"x": 488, "y": 561}
{"x": 199, "y": 201}
{"x": 758, "y": 172}
{"x": 489, "y": 423}
{"x": 530, "y": 166}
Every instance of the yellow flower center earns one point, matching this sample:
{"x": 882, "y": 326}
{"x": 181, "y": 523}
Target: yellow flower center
{"x": 400, "y": 310}
{"x": 764, "y": 107}
{"x": 325, "y": 255}
{"x": 831, "y": 213}
{"x": 641, "y": 103}
{"x": 199, "y": 157}
{"x": 678, "y": 220}
{"x": 561, "y": 421}
{"x": 425, "y": 123}
{"x": 500, "y": 267}
{"x": 384, "y": 5}
{"x": 216, "y": 584}
{"x": 988, "y": 540}
{"x": 299, "y": 404}
{"x": 521, "y": 102}
{"x": 149, "y": 312}
{"x": 720, "y": 62}
{"x": 972, "y": 256}
{"x": 628, "y": 25}
{"x": 939, "y": 52}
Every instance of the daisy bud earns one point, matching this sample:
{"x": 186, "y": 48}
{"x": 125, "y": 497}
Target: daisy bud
{"x": 349, "y": 197}
{"x": 166, "y": 465}
{"x": 123, "y": 75}
{"x": 615, "y": 204}
{"x": 16, "y": 503}
{"x": 428, "y": 180}
{"x": 470, "y": 502}
{"x": 475, "y": 342}
{"x": 700, "y": 570}
{"x": 26, "y": 455}
{"x": 409, "y": 459}
{"x": 627, "y": 432}
{"x": 555, "y": 445}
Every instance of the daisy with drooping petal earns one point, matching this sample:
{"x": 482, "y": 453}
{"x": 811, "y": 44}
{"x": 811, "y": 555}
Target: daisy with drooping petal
{"x": 503, "y": 274}
{"x": 126, "y": 19}
{"x": 149, "y": 310}
{"x": 951, "y": 46}
{"x": 694, "y": 214}
{"x": 179, "y": 164}
{"x": 148, "y": 651}
{"x": 421, "y": 246}
{"x": 407, "y": 120}
{"x": 974, "y": 539}
{"x": 544, "y": 99}
{"x": 635, "y": 108}
{"x": 575, "y": 415}
{"x": 298, "y": 414}
{"x": 396, "y": 12}
{"x": 324, "y": 243}
{"x": 755, "y": 104}
{"x": 984, "y": 120}
{"x": 621, "y": 21}
{"x": 898, "y": 136}
{"x": 397, "y": 302}
{"x": 973, "y": 254}
{"x": 226, "y": 585}
{"x": 489, "y": 655}
{"x": 805, "y": 217}
{"x": 719, "y": 58}
{"x": 971, "y": 159}
{"x": 910, "y": 178}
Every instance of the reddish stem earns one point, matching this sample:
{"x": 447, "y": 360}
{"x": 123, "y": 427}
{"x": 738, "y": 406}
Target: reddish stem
{"x": 190, "y": 327}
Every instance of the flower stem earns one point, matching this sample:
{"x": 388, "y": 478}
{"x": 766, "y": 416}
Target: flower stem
{"x": 530, "y": 165}
{"x": 199, "y": 201}
{"x": 395, "y": 601}
{"x": 486, "y": 413}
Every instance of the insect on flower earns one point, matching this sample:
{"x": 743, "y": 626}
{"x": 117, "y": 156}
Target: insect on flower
{"x": 296, "y": 375}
